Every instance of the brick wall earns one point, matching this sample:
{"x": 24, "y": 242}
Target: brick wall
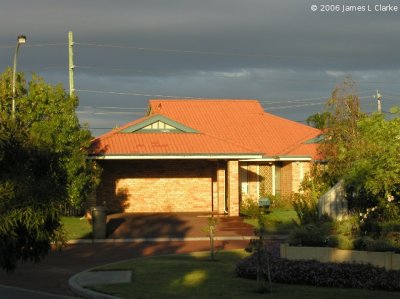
{"x": 300, "y": 169}
{"x": 233, "y": 187}
{"x": 221, "y": 193}
{"x": 253, "y": 179}
{"x": 292, "y": 174}
{"x": 286, "y": 179}
{"x": 157, "y": 185}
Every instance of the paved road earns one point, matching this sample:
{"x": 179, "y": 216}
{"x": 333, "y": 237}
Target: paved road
{"x": 8, "y": 292}
{"x": 52, "y": 274}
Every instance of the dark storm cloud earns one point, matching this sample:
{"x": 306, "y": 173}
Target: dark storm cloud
{"x": 292, "y": 52}
{"x": 287, "y": 29}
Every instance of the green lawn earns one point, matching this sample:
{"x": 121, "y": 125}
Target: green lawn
{"x": 195, "y": 276}
{"x": 77, "y": 228}
{"x": 279, "y": 221}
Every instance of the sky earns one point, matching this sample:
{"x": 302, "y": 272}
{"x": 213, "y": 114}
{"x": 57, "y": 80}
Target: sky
{"x": 288, "y": 54}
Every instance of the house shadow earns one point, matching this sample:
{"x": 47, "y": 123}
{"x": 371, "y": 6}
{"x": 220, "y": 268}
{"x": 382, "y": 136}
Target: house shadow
{"x": 116, "y": 205}
{"x": 121, "y": 225}
{"x": 159, "y": 225}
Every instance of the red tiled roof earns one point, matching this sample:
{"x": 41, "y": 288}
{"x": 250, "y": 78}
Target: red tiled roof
{"x": 224, "y": 126}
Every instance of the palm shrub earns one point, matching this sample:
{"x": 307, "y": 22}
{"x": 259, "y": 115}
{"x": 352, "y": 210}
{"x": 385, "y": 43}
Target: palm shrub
{"x": 306, "y": 207}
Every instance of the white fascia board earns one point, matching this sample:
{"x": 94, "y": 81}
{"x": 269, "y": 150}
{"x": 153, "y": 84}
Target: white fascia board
{"x": 260, "y": 160}
{"x": 173, "y": 157}
{"x": 283, "y": 158}
{"x": 294, "y": 158}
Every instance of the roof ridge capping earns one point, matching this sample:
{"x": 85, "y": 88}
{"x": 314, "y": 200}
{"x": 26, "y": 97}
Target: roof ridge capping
{"x": 157, "y": 105}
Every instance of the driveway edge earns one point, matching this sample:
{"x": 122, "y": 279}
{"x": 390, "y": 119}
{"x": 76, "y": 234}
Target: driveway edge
{"x": 84, "y": 292}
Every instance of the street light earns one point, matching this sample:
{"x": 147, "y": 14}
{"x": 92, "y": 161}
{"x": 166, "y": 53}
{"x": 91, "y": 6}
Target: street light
{"x": 21, "y": 40}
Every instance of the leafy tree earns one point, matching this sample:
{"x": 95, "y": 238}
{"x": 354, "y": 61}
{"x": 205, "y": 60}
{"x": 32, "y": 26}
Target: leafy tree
{"x": 319, "y": 120}
{"x": 42, "y": 165}
{"x": 32, "y": 186}
{"x": 48, "y": 115}
{"x": 344, "y": 113}
{"x": 361, "y": 149}
{"x": 375, "y": 169}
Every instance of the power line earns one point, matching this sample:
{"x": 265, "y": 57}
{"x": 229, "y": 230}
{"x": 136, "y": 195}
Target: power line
{"x": 181, "y": 97}
{"x": 47, "y": 68}
{"x": 306, "y": 102}
{"x": 46, "y": 45}
{"x": 36, "y": 45}
{"x": 295, "y": 106}
{"x": 141, "y": 94}
{"x": 221, "y": 53}
{"x": 267, "y": 102}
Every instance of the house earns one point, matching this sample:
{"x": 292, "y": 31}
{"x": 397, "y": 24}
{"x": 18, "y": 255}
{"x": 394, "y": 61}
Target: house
{"x": 201, "y": 155}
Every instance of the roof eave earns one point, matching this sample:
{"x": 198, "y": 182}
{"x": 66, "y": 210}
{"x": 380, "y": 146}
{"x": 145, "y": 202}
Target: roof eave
{"x": 226, "y": 156}
{"x": 281, "y": 158}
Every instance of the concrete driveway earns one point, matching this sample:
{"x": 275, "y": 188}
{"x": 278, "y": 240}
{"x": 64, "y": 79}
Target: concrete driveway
{"x": 173, "y": 225}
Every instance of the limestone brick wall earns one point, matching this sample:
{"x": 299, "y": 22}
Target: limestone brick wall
{"x": 233, "y": 187}
{"x": 299, "y": 170}
{"x": 253, "y": 179}
{"x": 157, "y": 185}
{"x": 221, "y": 188}
{"x": 286, "y": 178}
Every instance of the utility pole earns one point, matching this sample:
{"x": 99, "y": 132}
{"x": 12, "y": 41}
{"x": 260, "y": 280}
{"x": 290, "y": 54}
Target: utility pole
{"x": 71, "y": 63}
{"x": 379, "y": 99}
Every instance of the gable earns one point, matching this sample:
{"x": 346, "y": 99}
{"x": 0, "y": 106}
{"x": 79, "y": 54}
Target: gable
{"x": 158, "y": 124}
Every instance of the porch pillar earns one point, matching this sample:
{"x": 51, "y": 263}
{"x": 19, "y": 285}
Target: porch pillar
{"x": 221, "y": 187}
{"x": 233, "y": 187}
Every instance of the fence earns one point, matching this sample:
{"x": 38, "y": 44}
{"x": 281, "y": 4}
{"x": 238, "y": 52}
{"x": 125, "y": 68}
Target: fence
{"x": 334, "y": 202}
{"x": 69, "y": 210}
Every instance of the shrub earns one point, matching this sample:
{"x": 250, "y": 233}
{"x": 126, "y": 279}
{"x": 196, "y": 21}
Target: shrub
{"x": 345, "y": 242}
{"x": 283, "y": 201}
{"x": 390, "y": 226}
{"x": 249, "y": 207}
{"x": 306, "y": 208}
{"x": 332, "y": 241}
{"x": 394, "y": 240}
{"x": 324, "y": 274}
{"x": 348, "y": 227}
{"x": 310, "y": 235}
{"x": 369, "y": 244}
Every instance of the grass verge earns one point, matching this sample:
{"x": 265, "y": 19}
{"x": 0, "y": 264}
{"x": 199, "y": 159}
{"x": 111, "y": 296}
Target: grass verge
{"x": 195, "y": 276}
{"x": 77, "y": 228}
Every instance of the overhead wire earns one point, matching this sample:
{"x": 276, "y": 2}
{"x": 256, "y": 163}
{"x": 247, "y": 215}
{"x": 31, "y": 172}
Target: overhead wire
{"x": 202, "y": 52}
{"x": 301, "y": 102}
{"x": 35, "y": 45}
